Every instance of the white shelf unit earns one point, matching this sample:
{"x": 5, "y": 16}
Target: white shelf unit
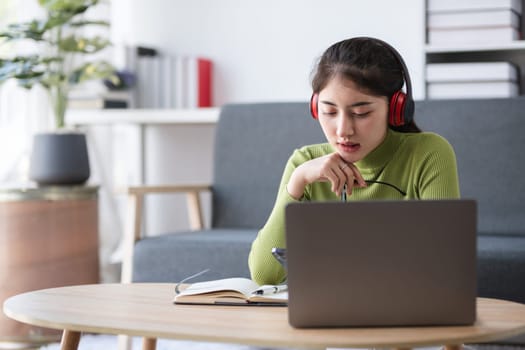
{"x": 518, "y": 45}
{"x": 142, "y": 116}
{"x": 513, "y": 52}
{"x": 142, "y": 120}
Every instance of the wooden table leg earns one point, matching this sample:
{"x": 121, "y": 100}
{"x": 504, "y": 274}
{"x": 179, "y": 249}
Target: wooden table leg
{"x": 70, "y": 340}
{"x": 149, "y": 343}
{"x": 453, "y": 347}
{"x": 124, "y": 342}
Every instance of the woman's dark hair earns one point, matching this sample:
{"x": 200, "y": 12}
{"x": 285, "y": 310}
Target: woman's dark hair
{"x": 371, "y": 65}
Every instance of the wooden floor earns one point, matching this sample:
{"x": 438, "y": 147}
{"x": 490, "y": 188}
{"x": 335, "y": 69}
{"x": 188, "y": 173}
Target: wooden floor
{"x": 109, "y": 342}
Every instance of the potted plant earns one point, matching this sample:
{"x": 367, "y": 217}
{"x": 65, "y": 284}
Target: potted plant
{"x": 61, "y": 61}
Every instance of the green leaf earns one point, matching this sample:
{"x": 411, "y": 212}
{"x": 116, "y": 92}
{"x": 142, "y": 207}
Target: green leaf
{"x": 87, "y": 23}
{"x": 57, "y": 20}
{"x": 29, "y": 70}
{"x": 67, "y": 6}
{"x": 57, "y": 31}
{"x": 93, "y": 70}
{"x": 17, "y": 67}
{"x": 51, "y": 79}
{"x": 83, "y": 45}
{"x": 27, "y": 30}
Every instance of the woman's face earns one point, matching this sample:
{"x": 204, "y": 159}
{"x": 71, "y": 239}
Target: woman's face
{"x": 353, "y": 122}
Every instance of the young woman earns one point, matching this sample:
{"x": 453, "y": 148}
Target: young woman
{"x": 374, "y": 149}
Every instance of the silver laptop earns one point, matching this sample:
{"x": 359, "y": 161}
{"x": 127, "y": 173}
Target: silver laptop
{"x": 381, "y": 263}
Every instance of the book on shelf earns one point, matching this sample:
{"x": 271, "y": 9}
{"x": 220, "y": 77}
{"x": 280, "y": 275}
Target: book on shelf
{"x": 199, "y": 73}
{"x": 180, "y": 81}
{"x": 471, "y": 72}
{"x": 96, "y": 103}
{"x": 167, "y": 90}
{"x": 91, "y": 96}
{"x": 146, "y": 51}
{"x": 232, "y": 291}
{"x": 474, "y": 19}
{"x": 192, "y": 82}
{"x": 145, "y": 63}
{"x": 469, "y": 5}
{"x": 148, "y": 81}
{"x": 168, "y": 81}
{"x": 471, "y": 36}
{"x": 489, "y": 89}
{"x": 129, "y": 54}
{"x": 93, "y": 92}
{"x": 129, "y": 58}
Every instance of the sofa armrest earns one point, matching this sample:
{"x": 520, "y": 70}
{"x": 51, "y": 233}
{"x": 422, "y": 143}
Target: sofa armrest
{"x": 136, "y": 196}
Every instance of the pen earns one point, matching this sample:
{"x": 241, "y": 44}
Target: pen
{"x": 265, "y": 290}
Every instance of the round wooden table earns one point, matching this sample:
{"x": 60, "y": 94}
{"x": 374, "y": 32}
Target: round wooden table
{"x": 146, "y": 310}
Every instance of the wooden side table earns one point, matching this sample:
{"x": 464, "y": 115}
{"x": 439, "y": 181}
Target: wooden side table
{"x": 48, "y": 238}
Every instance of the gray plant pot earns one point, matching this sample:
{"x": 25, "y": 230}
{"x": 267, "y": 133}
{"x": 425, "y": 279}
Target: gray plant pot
{"x": 59, "y": 158}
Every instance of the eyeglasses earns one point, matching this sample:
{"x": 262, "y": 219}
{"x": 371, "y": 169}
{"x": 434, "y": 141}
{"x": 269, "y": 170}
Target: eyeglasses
{"x": 403, "y": 193}
{"x": 177, "y": 286}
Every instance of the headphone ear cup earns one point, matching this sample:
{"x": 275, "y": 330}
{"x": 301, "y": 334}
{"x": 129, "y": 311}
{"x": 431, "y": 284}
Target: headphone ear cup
{"x": 396, "y": 113}
{"x": 314, "y": 106}
{"x": 408, "y": 112}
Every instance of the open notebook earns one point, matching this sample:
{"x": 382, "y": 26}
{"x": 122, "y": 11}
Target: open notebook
{"x": 232, "y": 291}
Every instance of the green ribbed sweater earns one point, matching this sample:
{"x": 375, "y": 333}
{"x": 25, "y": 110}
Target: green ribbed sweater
{"x": 422, "y": 165}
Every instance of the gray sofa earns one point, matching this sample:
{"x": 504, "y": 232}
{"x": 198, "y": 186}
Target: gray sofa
{"x": 253, "y": 142}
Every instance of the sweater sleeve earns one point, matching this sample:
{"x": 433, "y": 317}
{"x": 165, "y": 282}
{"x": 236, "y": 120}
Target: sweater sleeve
{"x": 264, "y": 268}
{"x": 437, "y": 173}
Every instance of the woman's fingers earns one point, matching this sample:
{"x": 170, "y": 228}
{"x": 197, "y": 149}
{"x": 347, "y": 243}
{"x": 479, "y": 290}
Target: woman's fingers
{"x": 358, "y": 178}
{"x": 345, "y": 174}
{"x": 336, "y": 177}
{"x": 353, "y": 177}
{"x": 330, "y": 168}
{"x": 342, "y": 176}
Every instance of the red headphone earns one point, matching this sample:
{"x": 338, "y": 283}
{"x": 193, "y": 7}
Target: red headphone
{"x": 401, "y": 107}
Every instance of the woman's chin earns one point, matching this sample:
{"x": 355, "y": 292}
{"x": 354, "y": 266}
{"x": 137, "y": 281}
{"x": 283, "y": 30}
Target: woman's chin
{"x": 350, "y": 158}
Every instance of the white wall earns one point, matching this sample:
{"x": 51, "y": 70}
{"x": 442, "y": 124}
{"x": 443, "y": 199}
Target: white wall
{"x": 262, "y": 51}
{"x": 265, "y": 50}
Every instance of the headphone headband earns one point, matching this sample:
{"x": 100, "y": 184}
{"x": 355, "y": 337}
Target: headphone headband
{"x": 404, "y": 69}
{"x": 401, "y": 107}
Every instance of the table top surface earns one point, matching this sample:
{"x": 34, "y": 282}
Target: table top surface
{"x": 147, "y": 310}
{"x": 31, "y": 191}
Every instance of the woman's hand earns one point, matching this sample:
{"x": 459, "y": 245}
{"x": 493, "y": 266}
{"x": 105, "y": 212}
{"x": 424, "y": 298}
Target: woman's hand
{"x": 327, "y": 168}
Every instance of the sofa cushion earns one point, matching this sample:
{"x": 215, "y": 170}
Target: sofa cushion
{"x": 252, "y": 145}
{"x": 173, "y": 257}
{"x": 501, "y": 266}
{"x": 487, "y": 136}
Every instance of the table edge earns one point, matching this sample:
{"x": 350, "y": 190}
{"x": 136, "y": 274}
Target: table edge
{"x": 482, "y": 338}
